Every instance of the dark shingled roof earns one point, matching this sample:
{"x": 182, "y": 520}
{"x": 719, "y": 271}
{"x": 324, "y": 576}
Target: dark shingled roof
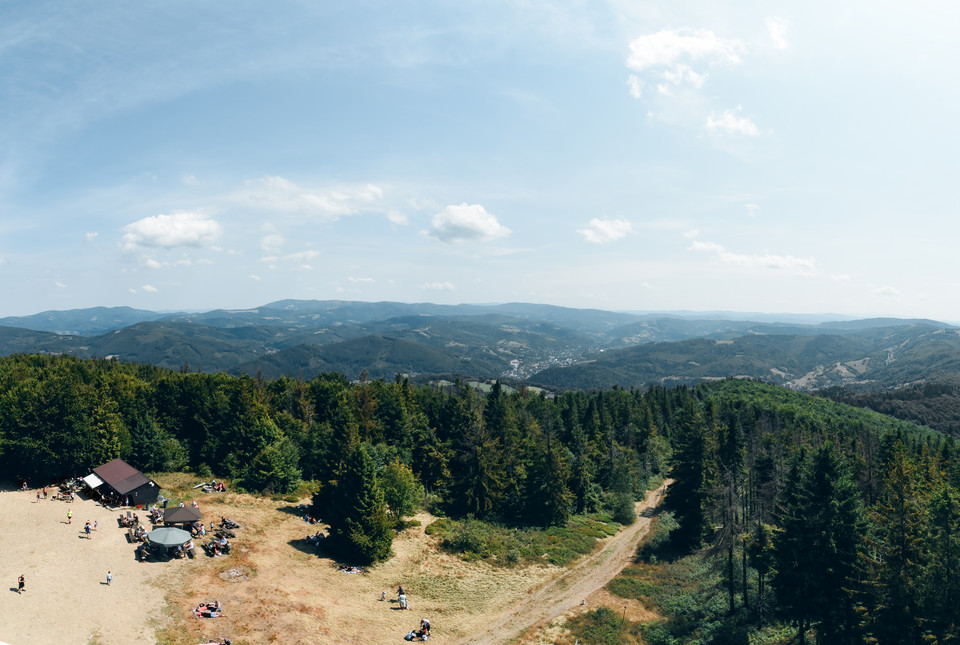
{"x": 182, "y": 514}
{"x": 121, "y": 476}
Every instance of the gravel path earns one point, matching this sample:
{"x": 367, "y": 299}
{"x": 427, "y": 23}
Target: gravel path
{"x": 567, "y": 590}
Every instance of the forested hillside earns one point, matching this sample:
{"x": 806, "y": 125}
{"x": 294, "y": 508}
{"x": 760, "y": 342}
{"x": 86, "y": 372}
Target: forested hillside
{"x": 812, "y": 514}
{"x": 935, "y": 404}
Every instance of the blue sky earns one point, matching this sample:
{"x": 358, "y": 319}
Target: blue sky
{"x": 796, "y": 157}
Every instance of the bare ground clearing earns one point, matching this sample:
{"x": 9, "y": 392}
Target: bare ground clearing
{"x": 274, "y": 587}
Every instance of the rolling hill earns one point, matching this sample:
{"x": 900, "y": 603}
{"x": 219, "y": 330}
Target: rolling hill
{"x": 552, "y": 346}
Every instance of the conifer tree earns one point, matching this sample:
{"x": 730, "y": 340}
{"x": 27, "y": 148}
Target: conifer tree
{"x": 357, "y": 513}
{"x": 687, "y": 496}
{"x": 940, "y": 582}
{"x": 897, "y": 552}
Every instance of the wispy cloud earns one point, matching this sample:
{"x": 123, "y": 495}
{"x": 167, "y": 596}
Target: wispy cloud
{"x": 789, "y": 263}
{"x": 636, "y": 85}
{"x": 604, "y": 231}
{"x": 466, "y": 222}
{"x": 190, "y": 229}
{"x": 361, "y": 280}
{"x": 437, "y": 286}
{"x": 298, "y": 257}
{"x": 777, "y": 29}
{"x": 280, "y": 195}
{"x": 270, "y": 243}
{"x": 730, "y": 122}
{"x": 885, "y": 290}
{"x": 672, "y": 51}
{"x": 398, "y": 218}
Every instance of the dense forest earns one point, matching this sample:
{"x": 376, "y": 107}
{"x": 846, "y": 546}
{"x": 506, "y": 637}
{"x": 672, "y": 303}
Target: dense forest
{"x": 833, "y": 520}
{"x": 934, "y": 403}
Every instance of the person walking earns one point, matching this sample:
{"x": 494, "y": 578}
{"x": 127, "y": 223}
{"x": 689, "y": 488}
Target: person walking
{"x": 109, "y": 578}
{"x": 95, "y": 524}
{"x": 38, "y": 497}
{"x": 87, "y": 528}
{"x": 70, "y": 516}
{"x": 20, "y": 584}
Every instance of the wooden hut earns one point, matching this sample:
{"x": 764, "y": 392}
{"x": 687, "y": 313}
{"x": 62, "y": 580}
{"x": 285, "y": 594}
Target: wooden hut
{"x": 120, "y": 478}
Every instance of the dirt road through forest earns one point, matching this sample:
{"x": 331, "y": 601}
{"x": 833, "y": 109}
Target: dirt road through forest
{"x": 567, "y": 590}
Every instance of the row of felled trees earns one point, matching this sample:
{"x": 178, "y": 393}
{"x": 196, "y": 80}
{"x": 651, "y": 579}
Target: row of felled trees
{"x": 842, "y": 523}
{"x": 517, "y": 457}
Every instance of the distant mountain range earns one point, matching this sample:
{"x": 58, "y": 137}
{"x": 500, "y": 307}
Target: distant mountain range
{"x": 552, "y": 346}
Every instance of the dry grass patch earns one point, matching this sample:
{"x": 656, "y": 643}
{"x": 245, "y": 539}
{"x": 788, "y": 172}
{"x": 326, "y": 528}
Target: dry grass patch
{"x": 287, "y": 592}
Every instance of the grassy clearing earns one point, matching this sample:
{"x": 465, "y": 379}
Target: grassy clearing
{"x": 503, "y": 546}
{"x": 690, "y": 593}
{"x": 604, "y": 626}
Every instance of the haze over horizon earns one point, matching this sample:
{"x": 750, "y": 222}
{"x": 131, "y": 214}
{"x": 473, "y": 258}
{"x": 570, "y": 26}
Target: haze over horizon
{"x": 627, "y": 156}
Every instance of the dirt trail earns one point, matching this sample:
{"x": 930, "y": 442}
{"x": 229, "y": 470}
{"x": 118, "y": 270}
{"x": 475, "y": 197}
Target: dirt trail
{"x": 567, "y": 590}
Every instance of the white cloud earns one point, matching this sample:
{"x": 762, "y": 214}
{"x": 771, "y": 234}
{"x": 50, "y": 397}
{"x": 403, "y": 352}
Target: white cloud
{"x": 466, "y": 222}
{"x": 270, "y": 243}
{"x": 752, "y": 209}
{"x": 682, "y": 73}
{"x": 170, "y": 231}
{"x": 692, "y": 233}
{"x": 668, "y": 48}
{"x": 885, "y": 290}
{"x": 841, "y": 277}
{"x": 670, "y": 56}
{"x": 300, "y": 256}
{"x": 361, "y": 280}
{"x": 255, "y": 277}
{"x": 281, "y": 195}
{"x": 777, "y": 28}
{"x": 189, "y": 180}
{"x": 152, "y": 264}
{"x": 59, "y": 284}
{"x": 636, "y": 86}
{"x": 789, "y": 263}
{"x": 437, "y": 286}
{"x": 149, "y": 288}
{"x": 604, "y": 231}
{"x": 730, "y": 123}
{"x": 90, "y": 237}
{"x": 398, "y": 218}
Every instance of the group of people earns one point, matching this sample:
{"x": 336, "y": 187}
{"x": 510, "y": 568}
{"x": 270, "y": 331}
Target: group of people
{"x": 421, "y": 634}
{"x": 114, "y": 500}
{"x": 217, "y": 547}
{"x": 315, "y": 539}
{"x": 199, "y": 529}
{"x": 227, "y": 523}
{"x": 183, "y": 550}
{"x": 130, "y": 522}
{"x": 208, "y": 610}
{"x": 88, "y": 528}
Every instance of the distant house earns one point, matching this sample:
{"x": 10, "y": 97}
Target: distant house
{"x": 120, "y": 478}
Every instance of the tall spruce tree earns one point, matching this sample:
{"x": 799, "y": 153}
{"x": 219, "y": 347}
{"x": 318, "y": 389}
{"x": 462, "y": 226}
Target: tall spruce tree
{"x": 687, "y": 497}
{"x": 897, "y": 550}
{"x": 356, "y": 511}
{"x": 817, "y": 548}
